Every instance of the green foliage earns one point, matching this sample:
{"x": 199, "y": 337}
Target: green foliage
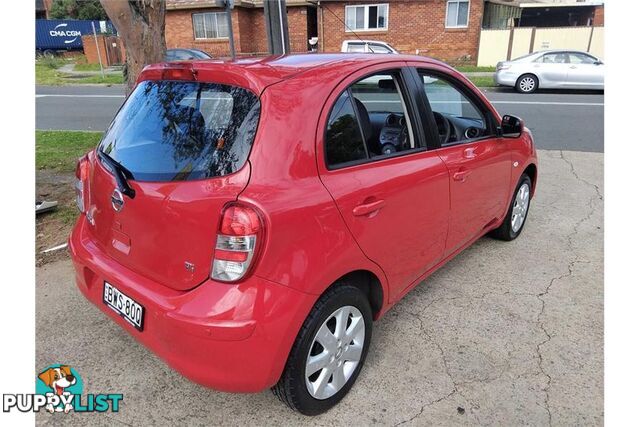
{"x": 483, "y": 81}
{"x": 77, "y": 9}
{"x": 50, "y": 62}
{"x": 474, "y": 69}
{"x": 59, "y": 150}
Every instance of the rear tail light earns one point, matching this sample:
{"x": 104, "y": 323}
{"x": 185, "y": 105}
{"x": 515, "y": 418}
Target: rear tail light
{"x": 237, "y": 242}
{"x": 82, "y": 173}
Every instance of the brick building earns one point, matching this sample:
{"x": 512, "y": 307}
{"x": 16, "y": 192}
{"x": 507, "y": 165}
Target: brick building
{"x": 202, "y": 24}
{"x": 439, "y": 28}
{"x": 446, "y": 29}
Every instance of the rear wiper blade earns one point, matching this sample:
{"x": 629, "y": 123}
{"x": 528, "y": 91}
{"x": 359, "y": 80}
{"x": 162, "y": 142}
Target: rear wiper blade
{"x": 121, "y": 173}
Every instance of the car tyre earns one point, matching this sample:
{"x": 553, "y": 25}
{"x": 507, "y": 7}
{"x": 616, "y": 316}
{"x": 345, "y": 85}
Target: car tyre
{"x": 527, "y": 83}
{"x": 515, "y": 219}
{"x": 294, "y": 385}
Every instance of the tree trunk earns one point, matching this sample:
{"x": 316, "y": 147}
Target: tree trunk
{"x": 140, "y": 24}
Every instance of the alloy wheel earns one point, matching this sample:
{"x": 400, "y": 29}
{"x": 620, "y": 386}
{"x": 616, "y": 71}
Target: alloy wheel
{"x": 335, "y": 352}
{"x": 527, "y": 84}
{"x": 520, "y": 207}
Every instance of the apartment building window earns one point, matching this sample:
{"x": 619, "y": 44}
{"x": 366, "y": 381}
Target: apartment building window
{"x": 210, "y": 26}
{"x": 457, "y": 14}
{"x": 368, "y": 17}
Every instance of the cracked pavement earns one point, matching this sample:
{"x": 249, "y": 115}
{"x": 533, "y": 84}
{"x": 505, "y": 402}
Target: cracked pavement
{"x": 504, "y": 334}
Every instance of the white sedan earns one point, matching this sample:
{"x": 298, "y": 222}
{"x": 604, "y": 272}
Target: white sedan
{"x": 552, "y": 69}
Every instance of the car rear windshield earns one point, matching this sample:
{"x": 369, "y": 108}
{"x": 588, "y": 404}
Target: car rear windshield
{"x": 176, "y": 131}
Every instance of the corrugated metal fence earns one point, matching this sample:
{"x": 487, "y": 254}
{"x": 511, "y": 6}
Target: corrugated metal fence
{"x": 500, "y": 45}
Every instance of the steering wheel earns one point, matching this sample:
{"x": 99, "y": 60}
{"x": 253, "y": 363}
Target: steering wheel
{"x": 444, "y": 127}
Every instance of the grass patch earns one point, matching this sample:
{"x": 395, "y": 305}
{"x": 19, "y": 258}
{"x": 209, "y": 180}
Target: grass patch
{"x": 483, "y": 81}
{"x": 59, "y": 150}
{"x": 474, "y": 69}
{"x": 110, "y": 79}
{"x": 66, "y": 214}
{"x": 51, "y": 62}
{"x": 83, "y": 66}
{"x": 46, "y": 75}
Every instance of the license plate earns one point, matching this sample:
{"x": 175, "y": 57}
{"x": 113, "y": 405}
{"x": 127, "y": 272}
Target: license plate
{"x": 125, "y": 306}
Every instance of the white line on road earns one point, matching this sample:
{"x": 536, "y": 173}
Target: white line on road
{"x": 548, "y": 103}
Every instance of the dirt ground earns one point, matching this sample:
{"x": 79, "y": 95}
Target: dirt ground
{"x": 53, "y": 228}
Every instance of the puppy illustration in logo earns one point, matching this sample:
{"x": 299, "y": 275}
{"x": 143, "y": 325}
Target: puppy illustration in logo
{"x": 58, "y": 379}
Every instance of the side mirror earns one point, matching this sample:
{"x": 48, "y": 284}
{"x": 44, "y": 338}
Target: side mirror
{"x": 511, "y": 126}
{"x": 598, "y": 63}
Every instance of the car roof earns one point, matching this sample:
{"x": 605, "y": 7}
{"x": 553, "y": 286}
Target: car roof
{"x": 258, "y": 73}
{"x": 563, "y": 51}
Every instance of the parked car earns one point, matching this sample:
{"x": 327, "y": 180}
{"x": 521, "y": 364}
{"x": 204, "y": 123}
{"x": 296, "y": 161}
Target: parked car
{"x": 185, "y": 54}
{"x": 552, "y": 69}
{"x": 367, "y": 46}
{"x": 248, "y": 221}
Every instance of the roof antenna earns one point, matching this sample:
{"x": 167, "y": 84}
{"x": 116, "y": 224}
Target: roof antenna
{"x": 345, "y": 25}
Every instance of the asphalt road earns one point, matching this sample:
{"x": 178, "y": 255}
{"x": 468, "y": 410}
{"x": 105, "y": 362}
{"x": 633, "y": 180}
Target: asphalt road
{"x": 559, "y": 120}
{"x": 505, "y": 334}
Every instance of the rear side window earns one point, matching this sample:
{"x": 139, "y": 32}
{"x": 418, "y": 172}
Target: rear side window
{"x": 343, "y": 139}
{"x": 176, "y": 131}
{"x": 370, "y": 120}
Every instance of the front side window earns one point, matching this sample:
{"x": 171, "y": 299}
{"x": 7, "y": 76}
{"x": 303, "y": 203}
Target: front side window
{"x": 210, "y": 26}
{"x": 176, "y": 131}
{"x": 581, "y": 58}
{"x": 370, "y": 120}
{"x": 366, "y": 17}
{"x": 457, "y": 14}
{"x": 457, "y": 117}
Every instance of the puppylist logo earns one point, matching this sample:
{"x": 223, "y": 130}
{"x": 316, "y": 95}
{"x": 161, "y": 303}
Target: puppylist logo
{"x": 59, "y": 389}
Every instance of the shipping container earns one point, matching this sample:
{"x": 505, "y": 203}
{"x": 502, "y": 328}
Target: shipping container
{"x": 66, "y": 34}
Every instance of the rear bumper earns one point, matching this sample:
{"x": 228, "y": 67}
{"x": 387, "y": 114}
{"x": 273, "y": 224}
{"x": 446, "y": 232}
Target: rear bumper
{"x": 229, "y": 337}
{"x": 505, "y": 78}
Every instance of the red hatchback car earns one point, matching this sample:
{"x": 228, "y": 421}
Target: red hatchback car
{"x": 248, "y": 220}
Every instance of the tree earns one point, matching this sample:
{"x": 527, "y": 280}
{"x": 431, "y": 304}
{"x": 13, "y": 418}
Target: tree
{"x": 77, "y": 9}
{"x": 140, "y": 24}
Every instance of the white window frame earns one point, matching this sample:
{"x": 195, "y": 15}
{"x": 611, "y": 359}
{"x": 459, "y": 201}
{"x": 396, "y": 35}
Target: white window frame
{"x": 193, "y": 24}
{"x": 366, "y": 17}
{"x": 446, "y": 15}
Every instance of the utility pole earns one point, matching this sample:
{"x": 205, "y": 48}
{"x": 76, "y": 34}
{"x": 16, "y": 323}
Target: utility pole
{"x": 275, "y": 15}
{"x": 232, "y": 47}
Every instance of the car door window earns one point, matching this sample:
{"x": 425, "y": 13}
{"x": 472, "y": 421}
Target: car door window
{"x": 555, "y": 58}
{"x": 183, "y": 55}
{"x": 370, "y": 120}
{"x": 356, "y": 47}
{"x": 343, "y": 139}
{"x": 580, "y": 58}
{"x": 457, "y": 117}
{"x": 376, "y": 48}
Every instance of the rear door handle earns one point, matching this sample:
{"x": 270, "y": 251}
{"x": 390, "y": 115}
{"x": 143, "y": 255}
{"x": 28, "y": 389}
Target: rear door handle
{"x": 461, "y": 175}
{"x": 368, "y": 208}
